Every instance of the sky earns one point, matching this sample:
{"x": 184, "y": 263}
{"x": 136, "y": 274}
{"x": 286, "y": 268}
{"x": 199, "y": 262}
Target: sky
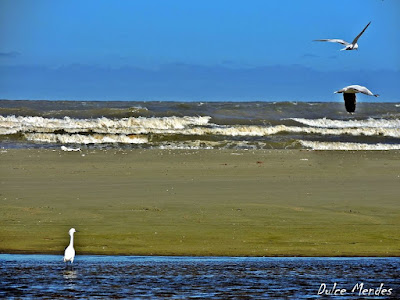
{"x": 208, "y": 50}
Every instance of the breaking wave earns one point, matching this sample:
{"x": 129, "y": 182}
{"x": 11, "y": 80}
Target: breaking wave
{"x": 85, "y": 139}
{"x": 272, "y": 130}
{"x": 370, "y": 123}
{"x": 191, "y": 126}
{"x": 220, "y": 125}
{"x": 347, "y": 146}
{"x": 100, "y": 125}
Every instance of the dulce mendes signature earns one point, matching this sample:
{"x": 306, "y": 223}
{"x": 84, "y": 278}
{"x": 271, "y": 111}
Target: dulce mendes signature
{"x": 359, "y": 289}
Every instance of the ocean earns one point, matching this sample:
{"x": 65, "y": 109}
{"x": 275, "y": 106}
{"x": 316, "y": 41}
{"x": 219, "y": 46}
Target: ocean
{"x": 198, "y": 125}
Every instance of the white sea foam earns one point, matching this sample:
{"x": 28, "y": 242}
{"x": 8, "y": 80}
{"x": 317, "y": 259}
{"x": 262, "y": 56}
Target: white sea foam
{"x": 7, "y": 131}
{"x": 201, "y": 144}
{"x": 315, "y": 145}
{"x": 328, "y": 123}
{"x": 85, "y": 139}
{"x": 68, "y": 149}
{"x": 237, "y": 130}
{"x": 136, "y": 130}
{"x": 100, "y": 125}
{"x": 195, "y": 145}
{"x": 272, "y": 130}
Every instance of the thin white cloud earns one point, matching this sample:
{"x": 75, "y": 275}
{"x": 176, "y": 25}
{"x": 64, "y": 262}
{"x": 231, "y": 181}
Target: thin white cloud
{"x": 10, "y": 54}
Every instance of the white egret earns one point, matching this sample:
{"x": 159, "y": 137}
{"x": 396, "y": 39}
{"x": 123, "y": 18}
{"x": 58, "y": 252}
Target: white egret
{"x": 349, "y": 46}
{"x": 69, "y": 253}
{"x": 349, "y": 95}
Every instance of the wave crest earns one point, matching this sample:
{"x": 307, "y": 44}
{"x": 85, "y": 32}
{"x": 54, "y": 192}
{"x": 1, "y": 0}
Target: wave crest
{"x": 328, "y": 123}
{"x": 101, "y": 125}
{"x": 85, "y": 139}
{"x": 315, "y": 145}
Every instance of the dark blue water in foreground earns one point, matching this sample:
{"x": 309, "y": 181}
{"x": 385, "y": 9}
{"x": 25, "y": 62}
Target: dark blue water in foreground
{"x": 135, "y": 277}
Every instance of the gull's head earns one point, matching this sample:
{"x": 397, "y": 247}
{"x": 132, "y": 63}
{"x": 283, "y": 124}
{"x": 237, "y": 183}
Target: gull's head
{"x": 71, "y": 231}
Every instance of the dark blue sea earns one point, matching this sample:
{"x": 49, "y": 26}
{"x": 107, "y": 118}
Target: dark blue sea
{"x": 198, "y": 125}
{"x": 154, "y": 277}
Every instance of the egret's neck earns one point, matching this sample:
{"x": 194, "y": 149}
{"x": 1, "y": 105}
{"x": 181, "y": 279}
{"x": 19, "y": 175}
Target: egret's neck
{"x": 71, "y": 240}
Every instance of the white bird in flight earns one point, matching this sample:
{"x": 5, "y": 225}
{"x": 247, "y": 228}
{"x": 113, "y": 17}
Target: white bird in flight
{"x": 349, "y": 95}
{"x": 69, "y": 253}
{"x": 349, "y": 46}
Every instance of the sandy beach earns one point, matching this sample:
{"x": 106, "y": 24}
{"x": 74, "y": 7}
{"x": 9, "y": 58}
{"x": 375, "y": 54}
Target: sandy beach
{"x": 201, "y": 202}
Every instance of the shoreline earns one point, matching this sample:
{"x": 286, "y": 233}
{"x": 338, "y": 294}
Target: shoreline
{"x": 16, "y": 252}
{"x": 222, "y": 203}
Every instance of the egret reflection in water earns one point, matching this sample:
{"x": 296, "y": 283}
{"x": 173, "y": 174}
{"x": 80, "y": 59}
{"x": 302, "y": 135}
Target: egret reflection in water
{"x": 69, "y": 274}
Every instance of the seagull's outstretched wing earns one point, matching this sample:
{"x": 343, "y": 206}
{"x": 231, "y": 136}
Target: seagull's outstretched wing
{"x": 364, "y": 90}
{"x": 358, "y": 36}
{"x": 333, "y": 41}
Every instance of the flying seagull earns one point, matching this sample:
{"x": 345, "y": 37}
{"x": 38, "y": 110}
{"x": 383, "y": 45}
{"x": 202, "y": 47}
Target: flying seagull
{"x": 352, "y": 46}
{"x": 69, "y": 253}
{"x": 349, "y": 95}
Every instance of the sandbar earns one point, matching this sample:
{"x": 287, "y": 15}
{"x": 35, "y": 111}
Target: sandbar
{"x": 201, "y": 202}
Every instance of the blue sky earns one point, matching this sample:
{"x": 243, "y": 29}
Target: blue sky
{"x": 196, "y": 50}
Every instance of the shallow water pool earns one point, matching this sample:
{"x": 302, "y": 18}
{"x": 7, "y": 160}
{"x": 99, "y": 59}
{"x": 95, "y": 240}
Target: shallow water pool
{"x": 154, "y": 277}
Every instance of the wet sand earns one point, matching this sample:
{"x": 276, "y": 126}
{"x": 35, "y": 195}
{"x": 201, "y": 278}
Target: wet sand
{"x": 189, "y": 202}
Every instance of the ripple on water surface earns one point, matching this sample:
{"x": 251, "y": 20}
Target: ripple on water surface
{"x": 44, "y": 276}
